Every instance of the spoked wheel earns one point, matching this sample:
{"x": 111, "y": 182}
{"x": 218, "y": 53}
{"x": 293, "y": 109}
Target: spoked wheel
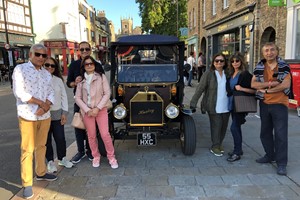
{"x": 188, "y": 135}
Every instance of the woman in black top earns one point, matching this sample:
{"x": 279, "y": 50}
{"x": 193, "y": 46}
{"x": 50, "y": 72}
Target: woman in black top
{"x": 239, "y": 80}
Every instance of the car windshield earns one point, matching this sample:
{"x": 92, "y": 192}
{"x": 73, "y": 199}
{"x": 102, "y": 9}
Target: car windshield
{"x": 147, "y": 64}
{"x": 147, "y": 73}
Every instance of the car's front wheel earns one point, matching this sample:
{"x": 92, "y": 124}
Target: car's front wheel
{"x": 188, "y": 135}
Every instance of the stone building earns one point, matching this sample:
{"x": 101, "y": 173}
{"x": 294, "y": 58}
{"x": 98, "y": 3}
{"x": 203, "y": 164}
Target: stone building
{"x": 228, "y": 26}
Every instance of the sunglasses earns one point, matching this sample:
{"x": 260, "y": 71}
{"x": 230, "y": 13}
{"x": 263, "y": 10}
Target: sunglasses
{"x": 86, "y": 49}
{"x": 219, "y": 60}
{"x": 88, "y": 64}
{"x": 40, "y": 54}
{"x": 49, "y": 65}
{"x": 235, "y": 61}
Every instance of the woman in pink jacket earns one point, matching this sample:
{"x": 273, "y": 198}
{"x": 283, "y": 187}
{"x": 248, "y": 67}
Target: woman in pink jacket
{"x": 91, "y": 96}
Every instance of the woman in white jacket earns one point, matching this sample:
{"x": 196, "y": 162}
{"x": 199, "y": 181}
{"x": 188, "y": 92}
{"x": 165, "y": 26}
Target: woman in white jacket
{"x": 59, "y": 111}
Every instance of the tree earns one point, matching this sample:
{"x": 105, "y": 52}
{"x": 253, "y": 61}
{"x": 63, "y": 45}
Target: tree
{"x": 160, "y": 16}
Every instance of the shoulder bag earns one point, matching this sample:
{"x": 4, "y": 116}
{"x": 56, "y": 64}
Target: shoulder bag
{"x": 77, "y": 121}
{"x": 244, "y": 103}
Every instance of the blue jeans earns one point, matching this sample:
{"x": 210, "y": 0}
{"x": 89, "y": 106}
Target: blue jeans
{"x": 274, "y": 118}
{"x": 190, "y": 77}
{"x": 237, "y": 120}
{"x": 58, "y": 132}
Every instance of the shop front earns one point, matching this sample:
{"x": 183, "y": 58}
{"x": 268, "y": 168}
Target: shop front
{"x": 63, "y": 51}
{"x": 193, "y": 46}
{"x": 231, "y": 34}
{"x": 16, "y": 52}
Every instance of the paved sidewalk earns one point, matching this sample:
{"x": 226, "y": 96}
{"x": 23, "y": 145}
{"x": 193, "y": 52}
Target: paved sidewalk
{"x": 164, "y": 173}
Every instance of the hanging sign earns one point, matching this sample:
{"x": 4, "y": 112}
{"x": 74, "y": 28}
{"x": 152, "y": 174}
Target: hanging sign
{"x": 7, "y": 46}
{"x": 274, "y": 3}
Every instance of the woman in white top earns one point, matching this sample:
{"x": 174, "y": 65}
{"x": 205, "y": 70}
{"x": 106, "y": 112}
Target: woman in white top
{"x": 214, "y": 101}
{"x": 59, "y": 111}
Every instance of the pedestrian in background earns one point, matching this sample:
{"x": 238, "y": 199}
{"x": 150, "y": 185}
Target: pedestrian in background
{"x": 32, "y": 87}
{"x": 239, "y": 80}
{"x": 59, "y": 112}
{"x": 200, "y": 66}
{"x": 73, "y": 79}
{"x": 214, "y": 101}
{"x": 92, "y": 96}
{"x": 272, "y": 79}
{"x": 191, "y": 61}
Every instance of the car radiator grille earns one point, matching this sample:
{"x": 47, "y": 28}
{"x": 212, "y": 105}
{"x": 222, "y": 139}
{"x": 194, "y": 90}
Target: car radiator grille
{"x": 146, "y": 109}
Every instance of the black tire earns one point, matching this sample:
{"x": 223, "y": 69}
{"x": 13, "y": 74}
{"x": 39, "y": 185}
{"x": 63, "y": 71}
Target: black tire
{"x": 188, "y": 135}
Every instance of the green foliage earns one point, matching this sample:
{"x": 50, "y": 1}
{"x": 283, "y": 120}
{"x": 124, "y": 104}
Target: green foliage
{"x": 160, "y": 16}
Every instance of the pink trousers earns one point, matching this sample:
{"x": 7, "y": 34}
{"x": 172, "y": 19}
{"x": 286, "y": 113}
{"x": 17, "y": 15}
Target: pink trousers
{"x": 102, "y": 122}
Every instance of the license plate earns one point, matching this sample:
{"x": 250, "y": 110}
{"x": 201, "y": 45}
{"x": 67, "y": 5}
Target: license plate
{"x": 146, "y": 139}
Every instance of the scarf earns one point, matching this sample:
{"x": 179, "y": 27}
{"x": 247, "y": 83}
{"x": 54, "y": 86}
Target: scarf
{"x": 88, "y": 78}
{"x": 283, "y": 71}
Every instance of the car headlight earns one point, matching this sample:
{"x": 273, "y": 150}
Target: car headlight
{"x": 120, "y": 112}
{"x": 172, "y": 111}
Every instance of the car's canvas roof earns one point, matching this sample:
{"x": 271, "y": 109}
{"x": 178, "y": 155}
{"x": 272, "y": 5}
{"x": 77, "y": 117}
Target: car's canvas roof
{"x": 146, "y": 39}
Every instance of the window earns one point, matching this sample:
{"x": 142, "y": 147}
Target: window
{"x": 225, "y": 4}
{"x": 190, "y": 20}
{"x": 91, "y": 16}
{"x": 93, "y": 36}
{"x": 87, "y": 33}
{"x": 203, "y": 10}
{"x": 194, "y": 18}
{"x": 214, "y": 9}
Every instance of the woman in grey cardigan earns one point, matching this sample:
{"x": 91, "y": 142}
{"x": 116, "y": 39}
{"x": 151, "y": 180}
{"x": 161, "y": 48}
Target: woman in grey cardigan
{"x": 214, "y": 101}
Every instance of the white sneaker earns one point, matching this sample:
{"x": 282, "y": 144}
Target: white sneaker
{"x": 64, "y": 162}
{"x": 51, "y": 167}
{"x": 96, "y": 162}
{"x": 113, "y": 163}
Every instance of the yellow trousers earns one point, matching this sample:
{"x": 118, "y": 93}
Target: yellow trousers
{"x": 33, "y": 141}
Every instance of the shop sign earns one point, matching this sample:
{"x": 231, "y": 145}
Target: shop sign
{"x": 71, "y": 45}
{"x": 7, "y": 46}
{"x": 184, "y": 31}
{"x": 17, "y": 39}
{"x": 55, "y": 44}
{"x": 274, "y": 3}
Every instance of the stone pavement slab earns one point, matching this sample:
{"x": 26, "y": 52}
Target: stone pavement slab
{"x": 164, "y": 173}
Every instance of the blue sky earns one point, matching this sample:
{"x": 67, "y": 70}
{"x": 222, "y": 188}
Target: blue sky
{"x": 115, "y": 9}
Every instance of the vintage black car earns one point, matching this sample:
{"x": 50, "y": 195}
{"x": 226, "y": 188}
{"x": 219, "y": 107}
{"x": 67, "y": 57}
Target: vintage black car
{"x": 147, "y": 91}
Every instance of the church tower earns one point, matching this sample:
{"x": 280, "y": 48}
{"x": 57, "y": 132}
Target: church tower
{"x": 126, "y": 26}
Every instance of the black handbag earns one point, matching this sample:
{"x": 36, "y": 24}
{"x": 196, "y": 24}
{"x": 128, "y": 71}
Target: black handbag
{"x": 244, "y": 103}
